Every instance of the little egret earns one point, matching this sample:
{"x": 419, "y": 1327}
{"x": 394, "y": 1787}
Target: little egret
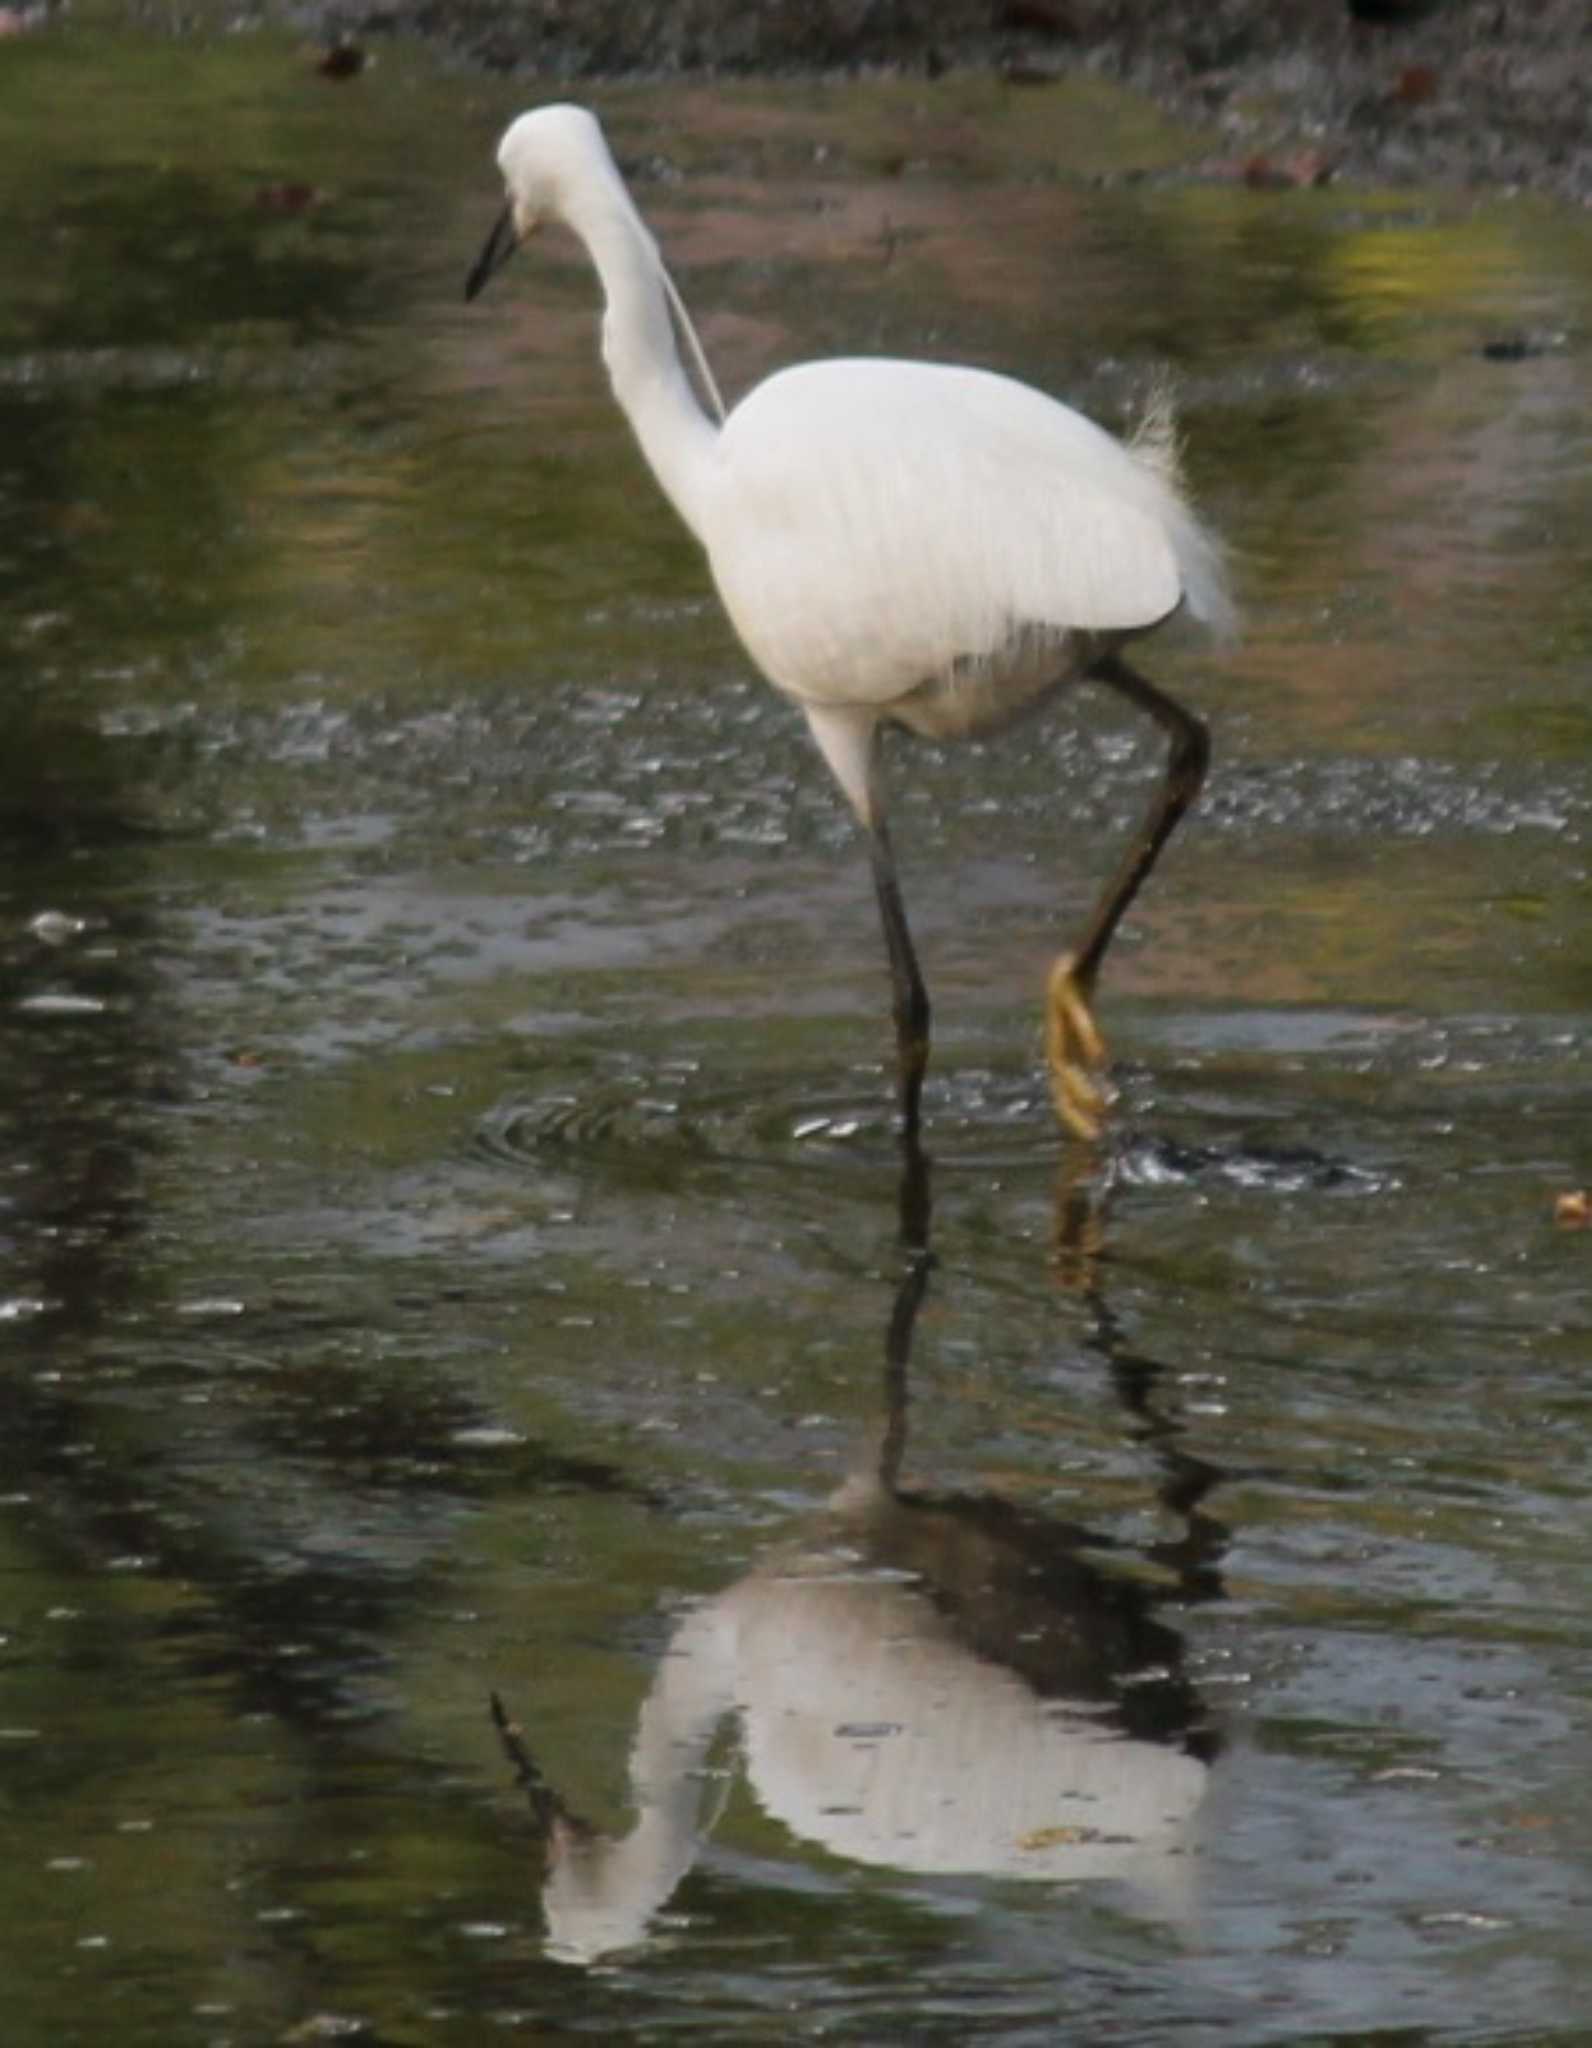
{"x": 898, "y": 543}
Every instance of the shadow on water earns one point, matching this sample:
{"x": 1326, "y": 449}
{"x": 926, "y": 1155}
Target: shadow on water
{"x": 934, "y": 1682}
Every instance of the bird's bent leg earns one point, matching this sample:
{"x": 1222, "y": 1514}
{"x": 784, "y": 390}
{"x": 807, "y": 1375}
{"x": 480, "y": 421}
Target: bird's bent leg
{"x": 909, "y": 998}
{"x": 1073, "y": 1044}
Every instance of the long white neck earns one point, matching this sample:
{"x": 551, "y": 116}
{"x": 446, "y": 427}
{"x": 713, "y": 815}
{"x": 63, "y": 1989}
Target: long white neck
{"x": 639, "y": 347}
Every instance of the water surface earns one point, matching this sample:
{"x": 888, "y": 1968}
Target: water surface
{"x": 453, "y": 1235}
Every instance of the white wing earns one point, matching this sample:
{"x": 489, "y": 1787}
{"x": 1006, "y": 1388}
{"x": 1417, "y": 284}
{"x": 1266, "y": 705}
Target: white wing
{"x": 872, "y": 524}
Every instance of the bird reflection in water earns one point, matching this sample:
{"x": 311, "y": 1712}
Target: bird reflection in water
{"x": 938, "y": 1683}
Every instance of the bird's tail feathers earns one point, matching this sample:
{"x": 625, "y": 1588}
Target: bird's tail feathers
{"x": 1155, "y": 441}
{"x": 1156, "y": 445}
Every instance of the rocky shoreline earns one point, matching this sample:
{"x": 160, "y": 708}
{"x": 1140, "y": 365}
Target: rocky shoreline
{"x": 1490, "y": 94}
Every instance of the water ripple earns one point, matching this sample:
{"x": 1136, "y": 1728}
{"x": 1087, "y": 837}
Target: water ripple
{"x": 975, "y": 1120}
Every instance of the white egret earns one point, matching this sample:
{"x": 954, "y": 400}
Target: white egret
{"x": 898, "y": 543}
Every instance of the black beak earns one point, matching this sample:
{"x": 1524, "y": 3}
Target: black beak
{"x": 500, "y": 246}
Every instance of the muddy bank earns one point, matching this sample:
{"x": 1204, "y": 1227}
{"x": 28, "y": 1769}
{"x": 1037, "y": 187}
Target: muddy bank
{"x": 1487, "y": 93}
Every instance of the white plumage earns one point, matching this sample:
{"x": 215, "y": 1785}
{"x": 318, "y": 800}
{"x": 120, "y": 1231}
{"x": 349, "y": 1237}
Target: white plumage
{"x": 916, "y": 544}
{"x": 838, "y": 482}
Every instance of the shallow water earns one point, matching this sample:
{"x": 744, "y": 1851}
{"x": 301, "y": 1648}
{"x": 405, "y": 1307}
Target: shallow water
{"x": 453, "y": 1237}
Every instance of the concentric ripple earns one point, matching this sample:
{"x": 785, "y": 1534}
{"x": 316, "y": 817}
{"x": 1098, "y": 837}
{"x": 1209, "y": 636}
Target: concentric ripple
{"x": 975, "y": 1120}
{"x": 630, "y": 1116}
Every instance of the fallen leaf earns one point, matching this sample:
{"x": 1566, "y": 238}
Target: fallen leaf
{"x": 1054, "y": 1838}
{"x": 1417, "y": 83}
{"x": 1285, "y": 173}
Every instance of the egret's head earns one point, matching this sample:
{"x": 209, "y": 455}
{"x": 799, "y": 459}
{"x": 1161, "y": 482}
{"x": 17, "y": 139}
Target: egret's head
{"x": 544, "y": 156}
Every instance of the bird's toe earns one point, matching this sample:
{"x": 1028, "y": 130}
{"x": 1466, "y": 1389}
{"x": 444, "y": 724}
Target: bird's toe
{"x": 1071, "y": 1020}
{"x": 1076, "y": 1054}
{"x": 1080, "y": 1103}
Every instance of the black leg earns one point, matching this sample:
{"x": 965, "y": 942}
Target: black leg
{"x": 910, "y": 999}
{"x": 1072, "y": 1037}
{"x": 1187, "y": 759}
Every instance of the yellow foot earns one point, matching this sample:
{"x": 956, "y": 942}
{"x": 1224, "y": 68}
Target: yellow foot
{"x": 1076, "y": 1054}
